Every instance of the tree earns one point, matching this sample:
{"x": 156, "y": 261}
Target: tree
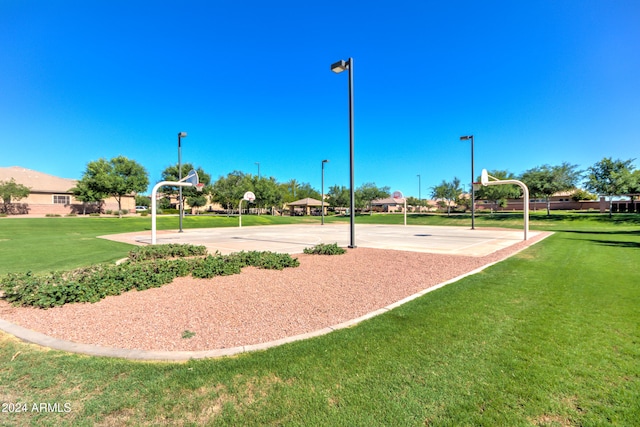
{"x": 545, "y": 181}
{"x": 288, "y": 190}
{"x": 610, "y": 178}
{"x": 117, "y": 177}
{"x": 143, "y": 200}
{"x": 229, "y": 190}
{"x": 413, "y": 201}
{"x": 338, "y": 196}
{"x": 83, "y": 192}
{"x": 448, "y": 192}
{"x": 267, "y": 191}
{"x": 305, "y": 190}
{"x": 498, "y": 194}
{"x": 368, "y": 192}
{"x": 192, "y": 196}
{"x": 12, "y": 191}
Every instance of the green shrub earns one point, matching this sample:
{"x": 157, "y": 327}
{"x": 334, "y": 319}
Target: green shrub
{"x": 145, "y": 213}
{"x": 94, "y": 214}
{"x": 325, "y": 249}
{"x": 267, "y": 260}
{"x": 148, "y": 267}
{"x": 171, "y": 250}
{"x": 125, "y": 211}
{"x": 52, "y": 215}
{"x": 218, "y": 265}
{"x": 108, "y": 212}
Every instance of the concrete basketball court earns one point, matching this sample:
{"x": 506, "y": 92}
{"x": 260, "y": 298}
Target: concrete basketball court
{"x": 294, "y": 238}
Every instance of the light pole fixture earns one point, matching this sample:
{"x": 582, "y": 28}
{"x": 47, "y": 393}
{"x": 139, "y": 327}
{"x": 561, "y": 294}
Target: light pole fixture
{"x": 258, "y": 163}
{"x": 181, "y": 206}
{"x": 473, "y": 190}
{"x": 419, "y": 194}
{"x": 322, "y": 187}
{"x": 337, "y": 68}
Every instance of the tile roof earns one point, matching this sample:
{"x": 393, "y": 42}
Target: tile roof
{"x": 37, "y": 181}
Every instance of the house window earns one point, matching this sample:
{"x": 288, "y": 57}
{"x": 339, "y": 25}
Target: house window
{"x": 61, "y": 200}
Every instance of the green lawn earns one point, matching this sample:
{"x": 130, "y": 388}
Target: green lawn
{"x": 548, "y": 337}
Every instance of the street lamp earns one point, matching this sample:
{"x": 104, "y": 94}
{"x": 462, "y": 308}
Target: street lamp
{"x": 419, "y": 195}
{"x": 181, "y": 207}
{"x": 337, "y": 68}
{"x": 258, "y": 163}
{"x": 322, "y": 186}
{"x": 473, "y": 190}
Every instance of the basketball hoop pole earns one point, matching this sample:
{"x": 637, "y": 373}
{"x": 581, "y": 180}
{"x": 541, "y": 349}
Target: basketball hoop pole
{"x": 154, "y": 203}
{"x": 525, "y": 194}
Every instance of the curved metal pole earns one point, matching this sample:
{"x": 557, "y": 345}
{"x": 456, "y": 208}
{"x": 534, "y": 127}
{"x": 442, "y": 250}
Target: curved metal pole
{"x": 525, "y": 191}
{"x": 154, "y": 203}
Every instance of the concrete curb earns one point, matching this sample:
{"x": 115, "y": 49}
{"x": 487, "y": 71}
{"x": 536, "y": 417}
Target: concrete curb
{"x": 40, "y": 339}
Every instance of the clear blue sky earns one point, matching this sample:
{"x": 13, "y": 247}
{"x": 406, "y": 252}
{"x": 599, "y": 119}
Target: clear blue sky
{"x": 536, "y": 82}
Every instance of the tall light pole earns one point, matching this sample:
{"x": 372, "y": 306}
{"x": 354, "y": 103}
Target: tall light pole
{"x": 337, "y": 68}
{"x": 258, "y": 163}
{"x": 419, "y": 194}
{"x": 181, "y": 207}
{"x": 322, "y": 187}
{"x": 473, "y": 190}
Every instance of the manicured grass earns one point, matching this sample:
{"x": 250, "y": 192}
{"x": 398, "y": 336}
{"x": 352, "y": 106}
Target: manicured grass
{"x": 548, "y": 337}
{"x": 54, "y": 244}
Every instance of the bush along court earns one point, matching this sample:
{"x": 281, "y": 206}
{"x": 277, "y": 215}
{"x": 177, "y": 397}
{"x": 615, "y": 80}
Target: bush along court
{"x": 147, "y": 267}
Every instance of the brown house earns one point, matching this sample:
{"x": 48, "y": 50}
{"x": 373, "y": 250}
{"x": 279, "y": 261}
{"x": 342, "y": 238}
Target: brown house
{"x": 52, "y": 195}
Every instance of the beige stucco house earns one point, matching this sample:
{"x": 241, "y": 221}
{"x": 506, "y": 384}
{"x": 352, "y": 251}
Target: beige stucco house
{"x": 52, "y": 195}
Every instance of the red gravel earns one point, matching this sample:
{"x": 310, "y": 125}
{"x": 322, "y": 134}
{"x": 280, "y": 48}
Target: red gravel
{"x": 255, "y": 306}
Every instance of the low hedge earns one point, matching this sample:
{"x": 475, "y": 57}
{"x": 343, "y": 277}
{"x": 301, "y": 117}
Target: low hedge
{"x": 147, "y": 268}
{"x": 325, "y": 249}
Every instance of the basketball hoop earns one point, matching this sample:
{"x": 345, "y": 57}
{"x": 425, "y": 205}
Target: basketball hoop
{"x": 199, "y": 187}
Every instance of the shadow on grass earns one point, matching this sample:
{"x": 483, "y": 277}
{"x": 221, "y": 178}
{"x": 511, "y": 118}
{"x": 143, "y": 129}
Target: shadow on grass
{"x": 616, "y": 243}
{"x": 611, "y": 233}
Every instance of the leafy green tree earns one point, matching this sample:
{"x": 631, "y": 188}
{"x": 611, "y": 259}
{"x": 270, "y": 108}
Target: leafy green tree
{"x": 268, "y": 192}
{"x": 338, "y": 196}
{"x": 83, "y": 192}
{"x": 143, "y": 200}
{"x": 448, "y": 192}
{"x": 12, "y": 191}
{"x": 545, "y": 181}
{"x": 498, "y": 194}
{"x": 610, "y": 178}
{"x": 634, "y": 184}
{"x": 580, "y": 194}
{"x": 197, "y": 201}
{"x": 229, "y": 190}
{"x": 305, "y": 190}
{"x": 288, "y": 191}
{"x": 368, "y": 192}
{"x": 413, "y": 201}
{"x": 189, "y": 194}
{"x": 117, "y": 177}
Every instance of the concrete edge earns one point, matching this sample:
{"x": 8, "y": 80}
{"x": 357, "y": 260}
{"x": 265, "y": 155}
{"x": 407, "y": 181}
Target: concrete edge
{"x": 33, "y": 337}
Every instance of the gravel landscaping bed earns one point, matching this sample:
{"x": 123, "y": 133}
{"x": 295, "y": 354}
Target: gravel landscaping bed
{"x": 255, "y": 306}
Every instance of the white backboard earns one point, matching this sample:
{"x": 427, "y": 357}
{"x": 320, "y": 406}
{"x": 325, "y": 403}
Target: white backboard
{"x": 484, "y": 178}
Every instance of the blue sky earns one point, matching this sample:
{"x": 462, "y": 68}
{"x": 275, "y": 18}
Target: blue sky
{"x": 536, "y": 82}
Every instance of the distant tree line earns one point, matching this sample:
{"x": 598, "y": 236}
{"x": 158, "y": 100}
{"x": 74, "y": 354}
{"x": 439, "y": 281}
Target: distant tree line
{"x": 121, "y": 177}
{"x": 607, "y": 177}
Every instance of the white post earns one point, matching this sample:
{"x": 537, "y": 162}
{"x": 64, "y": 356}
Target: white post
{"x": 240, "y": 214}
{"x": 405, "y": 211}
